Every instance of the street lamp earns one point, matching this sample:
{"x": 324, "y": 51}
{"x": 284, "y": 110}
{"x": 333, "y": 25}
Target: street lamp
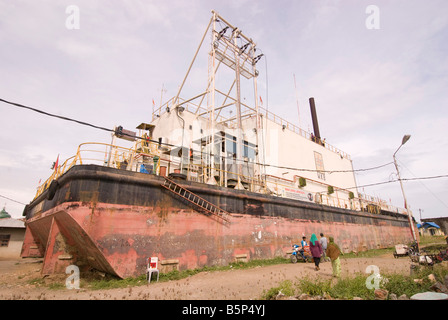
{"x": 405, "y": 139}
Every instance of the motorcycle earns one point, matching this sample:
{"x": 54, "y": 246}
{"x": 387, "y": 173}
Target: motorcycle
{"x": 443, "y": 255}
{"x": 413, "y": 248}
{"x": 299, "y": 254}
{"x": 422, "y": 257}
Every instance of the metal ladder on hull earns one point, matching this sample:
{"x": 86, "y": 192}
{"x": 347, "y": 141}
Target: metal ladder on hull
{"x": 196, "y": 200}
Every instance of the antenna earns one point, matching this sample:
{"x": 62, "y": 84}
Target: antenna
{"x": 161, "y": 93}
{"x": 297, "y": 99}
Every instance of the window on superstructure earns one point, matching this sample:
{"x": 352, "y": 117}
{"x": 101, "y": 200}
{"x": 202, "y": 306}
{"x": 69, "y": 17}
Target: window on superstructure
{"x": 4, "y": 240}
{"x": 231, "y": 145}
{"x": 249, "y": 151}
{"x": 319, "y": 165}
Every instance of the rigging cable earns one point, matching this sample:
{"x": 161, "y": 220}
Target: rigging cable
{"x": 434, "y": 195}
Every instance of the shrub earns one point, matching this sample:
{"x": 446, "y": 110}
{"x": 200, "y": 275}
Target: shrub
{"x": 348, "y": 288}
{"x": 314, "y": 288}
{"x": 286, "y": 287}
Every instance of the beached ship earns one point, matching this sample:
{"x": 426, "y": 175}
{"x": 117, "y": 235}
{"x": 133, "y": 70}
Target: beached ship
{"x": 207, "y": 181}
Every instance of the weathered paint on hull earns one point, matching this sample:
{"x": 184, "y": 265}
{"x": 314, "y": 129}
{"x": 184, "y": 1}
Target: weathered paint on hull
{"x": 117, "y": 237}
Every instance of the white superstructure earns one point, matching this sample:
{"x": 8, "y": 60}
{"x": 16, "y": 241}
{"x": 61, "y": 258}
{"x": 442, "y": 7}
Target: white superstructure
{"x": 215, "y": 137}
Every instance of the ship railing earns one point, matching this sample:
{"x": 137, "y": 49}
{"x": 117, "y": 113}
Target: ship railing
{"x": 288, "y": 125}
{"x": 340, "y": 199}
{"x": 104, "y": 154}
{"x": 188, "y": 105}
{"x": 368, "y": 201}
{"x": 279, "y": 187}
{"x": 57, "y": 172}
{"x": 132, "y": 159}
{"x": 149, "y": 156}
{"x": 203, "y": 173}
{"x": 198, "y": 109}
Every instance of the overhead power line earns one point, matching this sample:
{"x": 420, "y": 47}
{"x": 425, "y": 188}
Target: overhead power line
{"x": 328, "y": 171}
{"x": 171, "y": 145}
{"x": 402, "y": 179}
{"x": 54, "y": 115}
{"x": 12, "y": 200}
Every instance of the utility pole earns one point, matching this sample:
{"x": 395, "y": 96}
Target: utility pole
{"x": 411, "y": 223}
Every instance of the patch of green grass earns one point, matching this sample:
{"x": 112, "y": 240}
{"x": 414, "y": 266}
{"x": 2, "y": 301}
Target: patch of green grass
{"x": 314, "y": 288}
{"x": 37, "y": 281}
{"x": 348, "y": 288}
{"x": 57, "y": 286}
{"x": 110, "y": 282}
{"x": 406, "y": 284}
{"x": 425, "y": 240}
{"x": 258, "y": 263}
{"x": 113, "y": 282}
{"x": 368, "y": 253}
{"x": 355, "y": 286}
{"x": 435, "y": 248}
{"x": 401, "y": 284}
{"x": 286, "y": 287}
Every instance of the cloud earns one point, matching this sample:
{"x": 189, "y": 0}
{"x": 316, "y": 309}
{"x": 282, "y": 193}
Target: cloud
{"x": 371, "y": 86}
{"x": 78, "y": 49}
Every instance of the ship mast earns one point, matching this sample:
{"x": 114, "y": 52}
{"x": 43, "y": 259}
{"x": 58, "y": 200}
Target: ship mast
{"x": 231, "y": 48}
{"x": 239, "y": 155}
{"x": 235, "y": 50}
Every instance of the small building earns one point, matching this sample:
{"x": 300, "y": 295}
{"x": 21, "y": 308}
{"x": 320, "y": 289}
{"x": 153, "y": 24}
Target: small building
{"x": 442, "y": 222}
{"x": 12, "y": 233}
{"x": 429, "y": 229}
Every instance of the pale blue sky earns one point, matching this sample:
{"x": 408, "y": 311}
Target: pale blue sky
{"x": 371, "y": 86}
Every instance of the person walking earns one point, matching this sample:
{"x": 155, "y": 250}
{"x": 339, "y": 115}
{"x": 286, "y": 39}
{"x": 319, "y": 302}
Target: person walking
{"x": 333, "y": 253}
{"x": 316, "y": 250}
{"x": 323, "y": 243}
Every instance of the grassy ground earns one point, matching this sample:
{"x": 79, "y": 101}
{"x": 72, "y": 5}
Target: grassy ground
{"x": 344, "y": 288}
{"x": 355, "y": 286}
{"x": 109, "y": 282}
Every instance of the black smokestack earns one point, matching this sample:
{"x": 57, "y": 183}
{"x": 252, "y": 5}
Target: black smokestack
{"x": 314, "y": 118}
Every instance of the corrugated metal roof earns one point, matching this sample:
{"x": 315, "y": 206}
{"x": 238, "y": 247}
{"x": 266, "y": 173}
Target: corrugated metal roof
{"x": 427, "y": 225}
{"x": 11, "y": 223}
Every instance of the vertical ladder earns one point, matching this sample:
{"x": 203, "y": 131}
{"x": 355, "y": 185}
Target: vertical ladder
{"x": 193, "y": 198}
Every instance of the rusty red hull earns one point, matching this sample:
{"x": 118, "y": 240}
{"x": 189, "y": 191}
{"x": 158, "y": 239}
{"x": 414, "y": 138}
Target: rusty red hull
{"x": 113, "y": 220}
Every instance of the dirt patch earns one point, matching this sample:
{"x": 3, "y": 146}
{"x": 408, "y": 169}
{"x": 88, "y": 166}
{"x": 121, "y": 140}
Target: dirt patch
{"x": 22, "y": 279}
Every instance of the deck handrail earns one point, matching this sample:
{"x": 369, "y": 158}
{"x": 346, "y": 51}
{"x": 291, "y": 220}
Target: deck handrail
{"x": 116, "y": 157}
{"x": 193, "y": 108}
